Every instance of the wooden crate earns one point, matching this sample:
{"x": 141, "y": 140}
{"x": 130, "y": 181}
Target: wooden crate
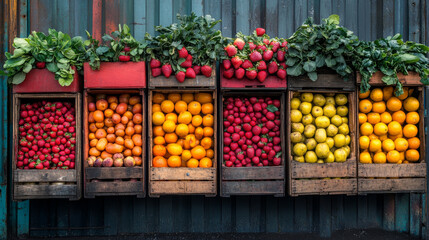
{"x": 309, "y": 178}
{"x": 45, "y": 184}
{"x": 200, "y": 81}
{"x": 182, "y": 180}
{"x": 113, "y": 181}
{"x": 270, "y": 82}
{"x": 395, "y": 178}
{"x": 325, "y": 80}
{"x": 412, "y": 79}
{"x": 253, "y": 180}
{"x": 116, "y": 75}
{"x": 43, "y": 81}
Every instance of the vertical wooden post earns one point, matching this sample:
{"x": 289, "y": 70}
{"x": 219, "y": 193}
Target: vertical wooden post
{"x": 96, "y": 18}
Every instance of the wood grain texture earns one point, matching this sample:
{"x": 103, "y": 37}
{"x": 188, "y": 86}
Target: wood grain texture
{"x": 252, "y": 188}
{"x": 392, "y": 170}
{"x": 253, "y": 173}
{"x": 185, "y": 174}
{"x": 412, "y": 79}
{"x": 391, "y": 185}
{"x": 182, "y": 187}
{"x": 324, "y": 80}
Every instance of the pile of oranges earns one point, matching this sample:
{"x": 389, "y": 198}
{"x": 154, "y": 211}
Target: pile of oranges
{"x": 388, "y": 126}
{"x": 182, "y": 130}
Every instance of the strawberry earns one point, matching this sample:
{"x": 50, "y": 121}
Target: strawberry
{"x": 247, "y": 64}
{"x": 229, "y": 73}
{"x": 261, "y": 47}
{"x": 206, "y": 70}
{"x": 284, "y": 44}
{"x": 282, "y": 65}
{"x": 189, "y": 57}
{"x": 230, "y": 50}
{"x": 239, "y": 73}
{"x": 183, "y": 53}
{"x": 251, "y": 74}
{"x": 261, "y": 65}
{"x": 226, "y": 64}
{"x": 155, "y": 63}
{"x": 236, "y": 62}
{"x": 166, "y": 70}
{"x": 268, "y": 54}
{"x": 275, "y": 46}
{"x": 156, "y": 72}
{"x": 260, "y": 31}
{"x": 252, "y": 46}
{"x": 197, "y": 69}
{"x": 186, "y": 64}
{"x": 239, "y": 43}
{"x": 180, "y": 76}
{"x": 281, "y": 73}
{"x": 272, "y": 67}
{"x": 281, "y": 56}
{"x": 262, "y": 75}
{"x": 255, "y": 56}
{"x": 190, "y": 73}
{"x": 266, "y": 41}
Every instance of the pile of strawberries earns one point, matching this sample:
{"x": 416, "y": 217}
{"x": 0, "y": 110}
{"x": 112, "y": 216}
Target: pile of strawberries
{"x": 255, "y": 57}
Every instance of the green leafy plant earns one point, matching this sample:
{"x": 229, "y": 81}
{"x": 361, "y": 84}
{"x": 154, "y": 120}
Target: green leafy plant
{"x": 391, "y": 56}
{"x": 57, "y": 51}
{"x": 119, "y": 46}
{"x": 314, "y": 46}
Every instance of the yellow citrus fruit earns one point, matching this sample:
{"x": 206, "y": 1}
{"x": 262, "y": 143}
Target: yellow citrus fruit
{"x": 187, "y": 97}
{"x": 169, "y": 126}
{"x": 380, "y": 129}
{"x": 171, "y": 117}
{"x": 198, "y": 152}
{"x": 411, "y": 104}
{"x": 379, "y": 157}
{"x": 410, "y": 130}
{"x": 387, "y": 92}
{"x": 376, "y": 95}
{"x": 386, "y": 118}
{"x": 159, "y": 140}
{"x": 174, "y": 149}
{"x": 404, "y": 95}
{"x": 375, "y": 145}
{"x": 365, "y": 106}
{"x": 364, "y": 142}
{"x": 395, "y": 128}
{"x": 366, "y": 129}
{"x": 174, "y": 161}
{"x": 171, "y": 138}
{"x": 365, "y": 157}
{"x": 204, "y": 98}
{"x": 412, "y": 155}
{"x": 194, "y": 108}
{"x": 180, "y": 106}
{"x": 185, "y": 117}
{"x": 197, "y": 120}
{"x": 379, "y": 107}
{"x": 205, "y": 163}
{"x": 373, "y": 118}
{"x": 158, "y": 131}
{"x": 156, "y": 108}
{"x": 413, "y": 143}
{"x": 208, "y": 120}
{"x": 192, "y": 163}
{"x": 364, "y": 95}
{"x": 399, "y": 116}
{"x": 388, "y": 145}
{"x": 182, "y": 130}
{"x": 186, "y": 155}
{"x": 199, "y": 133}
{"x": 158, "y": 118}
{"x": 207, "y": 108}
{"x": 393, "y": 156}
{"x": 210, "y": 153}
{"x": 362, "y": 118}
{"x": 401, "y": 144}
{"x": 206, "y": 143}
{"x": 412, "y": 118}
{"x": 167, "y": 106}
{"x": 208, "y": 132}
{"x": 394, "y": 104}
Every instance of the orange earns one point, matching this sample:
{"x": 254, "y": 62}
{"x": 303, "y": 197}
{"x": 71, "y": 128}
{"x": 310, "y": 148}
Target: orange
{"x": 198, "y": 152}
{"x": 181, "y": 142}
{"x": 170, "y": 138}
{"x": 207, "y": 108}
{"x": 376, "y": 95}
{"x": 187, "y": 97}
{"x": 413, "y": 143}
{"x": 402, "y": 154}
{"x": 172, "y": 117}
{"x": 401, "y": 144}
{"x": 199, "y": 133}
{"x": 411, "y": 104}
{"x": 412, "y": 155}
{"x": 194, "y": 108}
{"x": 372, "y": 136}
{"x": 174, "y": 161}
{"x": 395, "y": 128}
{"x": 180, "y": 106}
{"x": 158, "y": 131}
{"x": 186, "y": 155}
{"x": 210, "y": 153}
{"x": 365, "y": 106}
{"x": 98, "y": 116}
{"x": 159, "y": 161}
{"x": 387, "y": 92}
{"x": 206, "y": 163}
{"x": 174, "y": 97}
{"x": 364, "y": 95}
{"x": 364, "y": 142}
{"x": 410, "y": 131}
{"x": 185, "y": 117}
{"x": 375, "y": 145}
{"x": 174, "y": 149}
{"x": 204, "y": 97}
{"x": 158, "y": 118}
{"x": 208, "y": 120}
{"x": 383, "y": 137}
{"x": 206, "y": 143}
{"x": 158, "y": 98}
{"x": 386, "y": 117}
{"x": 362, "y": 118}
{"x": 380, "y": 157}
{"x": 167, "y": 106}
{"x": 394, "y": 104}
{"x": 208, "y": 132}
{"x": 197, "y": 120}
{"x": 393, "y": 156}
{"x": 399, "y": 116}
{"x": 365, "y": 157}
{"x": 366, "y": 129}
{"x": 191, "y": 128}
{"x": 380, "y": 129}
{"x": 169, "y": 126}
{"x": 156, "y": 108}
{"x": 159, "y": 140}
{"x": 108, "y": 113}
{"x": 192, "y": 163}
{"x": 379, "y": 107}
{"x": 373, "y": 118}
{"x": 159, "y": 150}
{"x": 404, "y": 95}
{"x": 388, "y": 145}
{"x": 182, "y": 130}
{"x": 412, "y": 118}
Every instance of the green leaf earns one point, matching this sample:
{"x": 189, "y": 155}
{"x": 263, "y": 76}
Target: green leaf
{"x": 27, "y": 68}
{"x": 291, "y": 61}
{"x": 279, "y": 154}
{"x": 272, "y": 108}
{"x": 14, "y": 62}
{"x": 334, "y": 19}
{"x": 330, "y": 62}
{"x": 22, "y": 43}
{"x": 320, "y": 61}
{"x": 295, "y": 70}
{"x": 101, "y": 50}
{"x": 312, "y": 76}
{"x": 18, "y": 78}
{"x": 310, "y": 66}
{"x": 18, "y": 53}
{"x": 52, "y": 67}
{"x": 389, "y": 80}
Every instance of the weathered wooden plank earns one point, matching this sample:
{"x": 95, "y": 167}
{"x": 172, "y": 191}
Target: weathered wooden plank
{"x": 253, "y": 188}
{"x": 62, "y": 217}
{"x": 325, "y": 221}
{"x": 271, "y": 215}
{"x": 113, "y": 188}
{"x": 166, "y": 16}
{"x": 113, "y": 172}
{"x": 255, "y": 214}
{"x": 402, "y": 212}
{"x": 23, "y": 218}
{"x": 414, "y": 21}
{"x": 45, "y": 176}
{"x": 392, "y": 185}
{"x": 364, "y": 20}
{"x": 389, "y": 212}
{"x": 271, "y": 17}
{"x": 285, "y": 17}
{"x": 213, "y": 8}
{"x": 324, "y": 186}
{"x": 152, "y": 216}
{"x": 400, "y": 17}
{"x": 163, "y": 174}
{"x": 242, "y": 215}
{"x": 308, "y": 170}
{"x": 256, "y": 8}
{"x": 197, "y": 214}
{"x": 323, "y": 80}
{"x": 227, "y": 219}
{"x": 415, "y": 214}
{"x": 325, "y": 9}
{"x": 125, "y": 214}
{"x": 152, "y": 16}
{"x": 139, "y": 19}
{"x": 212, "y": 215}
{"x": 242, "y": 18}
{"x": 255, "y": 173}
{"x": 138, "y": 215}
{"x": 300, "y": 12}
{"x": 228, "y": 29}
{"x": 301, "y": 213}
{"x": 388, "y": 18}
{"x": 392, "y": 170}
{"x": 197, "y": 6}
{"x": 351, "y": 21}
{"x": 183, "y": 187}
{"x": 26, "y": 191}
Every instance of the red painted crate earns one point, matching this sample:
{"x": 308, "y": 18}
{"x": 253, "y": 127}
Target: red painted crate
{"x": 43, "y": 81}
{"x": 115, "y": 75}
{"x": 270, "y": 82}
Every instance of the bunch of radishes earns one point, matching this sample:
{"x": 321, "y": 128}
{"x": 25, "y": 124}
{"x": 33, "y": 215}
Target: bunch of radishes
{"x": 255, "y": 57}
{"x": 47, "y": 136}
{"x": 251, "y": 132}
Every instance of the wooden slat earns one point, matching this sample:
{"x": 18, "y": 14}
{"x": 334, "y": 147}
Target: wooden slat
{"x": 392, "y": 185}
{"x": 182, "y": 187}
{"x": 182, "y": 174}
{"x": 392, "y": 170}
{"x": 253, "y": 173}
{"x": 199, "y": 81}
{"x": 415, "y": 214}
{"x": 309, "y": 170}
{"x": 324, "y": 187}
{"x": 253, "y": 188}
{"x": 42, "y": 191}
{"x": 113, "y": 188}
{"x": 402, "y": 211}
{"x": 113, "y": 173}
{"x": 45, "y": 176}
{"x": 412, "y": 79}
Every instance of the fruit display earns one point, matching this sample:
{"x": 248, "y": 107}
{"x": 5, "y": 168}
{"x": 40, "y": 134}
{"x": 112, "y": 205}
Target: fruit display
{"x": 320, "y": 130}
{"x": 256, "y": 56}
{"x": 182, "y": 130}
{"x": 47, "y": 135}
{"x": 252, "y": 136}
{"x": 388, "y": 126}
{"x": 115, "y": 130}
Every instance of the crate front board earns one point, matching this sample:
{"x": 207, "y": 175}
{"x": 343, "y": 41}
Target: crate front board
{"x": 324, "y": 80}
{"x": 113, "y": 181}
{"x": 309, "y": 178}
{"x": 412, "y": 79}
{"x": 182, "y": 180}
{"x": 55, "y": 183}
{"x": 268, "y": 180}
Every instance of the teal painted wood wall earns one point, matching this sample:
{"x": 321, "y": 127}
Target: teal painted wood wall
{"x": 369, "y": 19}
